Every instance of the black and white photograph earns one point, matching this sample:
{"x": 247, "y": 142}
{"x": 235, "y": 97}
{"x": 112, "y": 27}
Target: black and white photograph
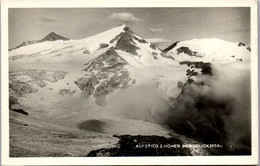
{"x": 95, "y": 82}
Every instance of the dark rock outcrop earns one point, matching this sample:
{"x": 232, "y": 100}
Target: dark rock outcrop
{"x": 66, "y": 91}
{"x": 24, "y": 44}
{"x": 204, "y": 66}
{"x": 53, "y": 37}
{"x": 166, "y": 56}
{"x": 105, "y": 74}
{"x": 21, "y": 111}
{"x": 103, "y": 45}
{"x": 186, "y": 50}
{"x": 240, "y": 44}
{"x": 86, "y": 52}
{"x": 180, "y": 84}
{"x": 153, "y": 46}
{"x": 125, "y": 41}
{"x": 87, "y": 85}
{"x": 12, "y": 101}
{"x": 144, "y": 146}
{"x": 170, "y": 47}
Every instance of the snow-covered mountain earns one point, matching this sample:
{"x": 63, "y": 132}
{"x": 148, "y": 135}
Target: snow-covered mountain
{"x": 104, "y": 62}
{"x": 209, "y": 50}
{"x": 115, "y": 82}
{"x": 50, "y": 37}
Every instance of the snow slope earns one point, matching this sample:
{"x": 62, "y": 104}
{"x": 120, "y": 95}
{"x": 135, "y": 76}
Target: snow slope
{"x": 210, "y": 50}
{"x": 96, "y": 69}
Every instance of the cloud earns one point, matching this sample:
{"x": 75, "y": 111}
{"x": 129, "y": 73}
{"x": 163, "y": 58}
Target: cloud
{"x": 158, "y": 40}
{"x": 48, "y": 19}
{"x": 161, "y": 43}
{"x": 236, "y": 31}
{"x": 125, "y": 17}
{"x": 222, "y": 103}
{"x": 155, "y": 30}
{"x": 142, "y": 102}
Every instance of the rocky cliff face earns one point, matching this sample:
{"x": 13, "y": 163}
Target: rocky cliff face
{"x": 104, "y": 75}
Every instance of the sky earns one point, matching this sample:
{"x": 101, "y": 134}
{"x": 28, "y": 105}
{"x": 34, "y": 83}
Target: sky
{"x": 167, "y": 24}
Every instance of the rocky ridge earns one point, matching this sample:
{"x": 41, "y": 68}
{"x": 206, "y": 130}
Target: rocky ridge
{"x": 50, "y": 37}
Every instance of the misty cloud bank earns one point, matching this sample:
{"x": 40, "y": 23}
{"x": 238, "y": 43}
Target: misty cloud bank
{"x": 143, "y": 102}
{"x": 215, "y": 110}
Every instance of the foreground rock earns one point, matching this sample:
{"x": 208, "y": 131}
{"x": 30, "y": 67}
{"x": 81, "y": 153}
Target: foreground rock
{"x": 144, "y": 146}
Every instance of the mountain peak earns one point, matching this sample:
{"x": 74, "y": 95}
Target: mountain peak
{"x": 123, "y": 25}
{"x": 50, "y": 37}
{"x": 53, "y": 37}
{"x": 52, "y": 33}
